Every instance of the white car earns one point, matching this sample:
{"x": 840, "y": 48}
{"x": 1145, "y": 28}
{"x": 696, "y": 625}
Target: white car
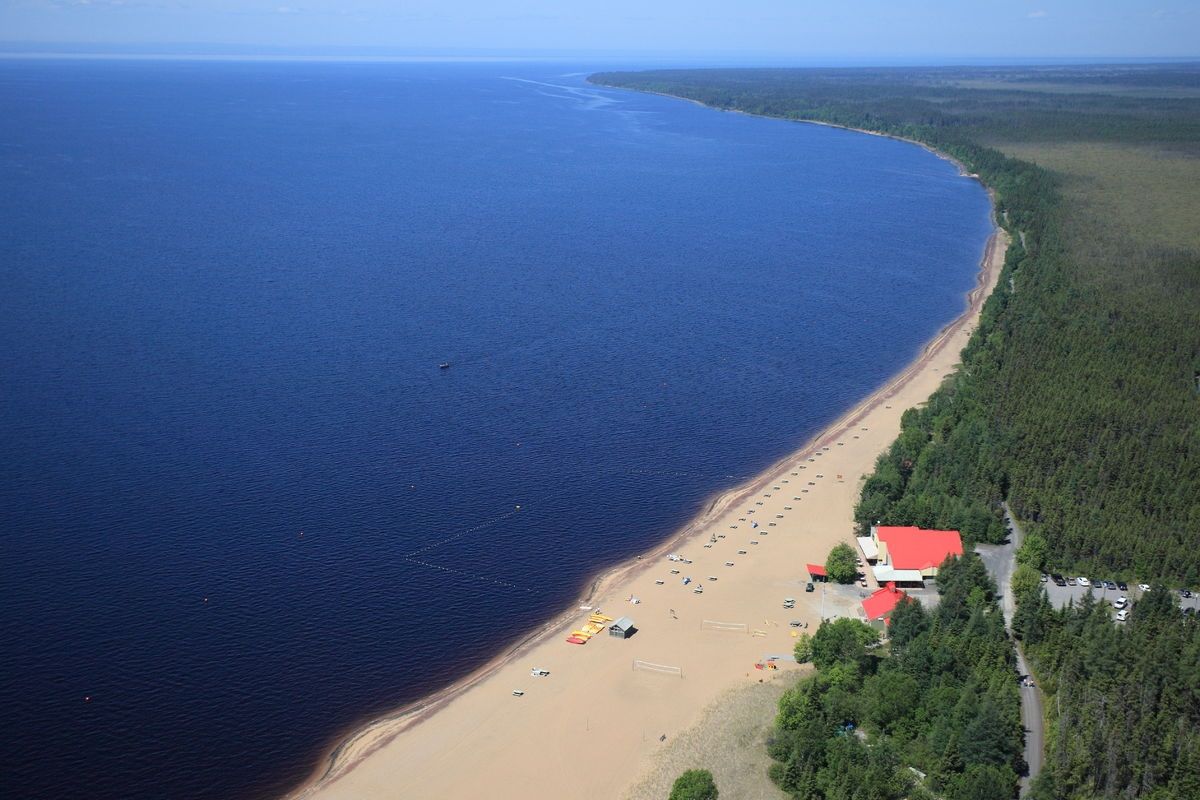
{"x": 1123, "y": 615}
{"x": 1084, "y": 582}
{"x": 1120, "y": 603}
{"x": 1145, "y": 587}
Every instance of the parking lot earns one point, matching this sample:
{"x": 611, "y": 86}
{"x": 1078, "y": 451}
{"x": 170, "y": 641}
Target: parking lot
{"x": 1061, "y": 595}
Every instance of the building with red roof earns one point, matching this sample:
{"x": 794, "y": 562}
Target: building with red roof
{"x": 880, "y": 604}
{"x": 817, "y": 572}
{"x": 908, "y": 554}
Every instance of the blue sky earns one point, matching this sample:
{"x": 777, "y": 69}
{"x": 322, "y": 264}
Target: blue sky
{"x": 780, "y": 29}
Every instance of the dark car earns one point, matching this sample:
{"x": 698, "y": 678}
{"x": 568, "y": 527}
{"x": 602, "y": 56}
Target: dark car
{"x": 1184, "y": 593}
{"x": 1059, "y": 580}
{"x": 808, "y": 587}
{"x": 1110, "y": 584}
{"x": 1122, "y": 586}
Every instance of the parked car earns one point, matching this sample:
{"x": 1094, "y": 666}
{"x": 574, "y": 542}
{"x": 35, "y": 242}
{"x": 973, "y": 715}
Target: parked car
{"x": 1110, "y": 585}
{"x": 1122, "y": 586}
{"x": 1120, "y": 603}
{"x": 1145, "y": 587}
{"x": 1083, "y": 581}
{"x": 1184, "y": 593}
{"x": 1071, "y": 581}
{"x": 1059, "y": 580}
{"x": 1123, "y": 615}
{"x": 808, "y": 587}
{"x": 1045, "y": 577}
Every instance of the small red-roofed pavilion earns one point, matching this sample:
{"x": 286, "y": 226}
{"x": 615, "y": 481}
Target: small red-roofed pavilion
{"x": 880, "y": 604}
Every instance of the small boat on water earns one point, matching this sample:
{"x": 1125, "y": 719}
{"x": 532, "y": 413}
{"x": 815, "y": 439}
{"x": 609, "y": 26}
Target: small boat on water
{"x": 444, "y": 365}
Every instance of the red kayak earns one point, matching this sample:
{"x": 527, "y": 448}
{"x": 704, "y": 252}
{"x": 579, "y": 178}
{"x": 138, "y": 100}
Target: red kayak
{"x": 576, "y": 640}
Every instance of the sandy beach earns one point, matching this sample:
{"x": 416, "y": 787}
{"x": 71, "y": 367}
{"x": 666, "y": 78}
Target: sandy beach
{"x": 592, "y": 728}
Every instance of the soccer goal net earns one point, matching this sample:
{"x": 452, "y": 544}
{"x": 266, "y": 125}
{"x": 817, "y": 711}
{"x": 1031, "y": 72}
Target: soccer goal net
{"x": 659, "y": 668}
{"x": 714, "y": 625}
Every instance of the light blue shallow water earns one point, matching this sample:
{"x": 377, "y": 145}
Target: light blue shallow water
{"x": 226, "y": 292}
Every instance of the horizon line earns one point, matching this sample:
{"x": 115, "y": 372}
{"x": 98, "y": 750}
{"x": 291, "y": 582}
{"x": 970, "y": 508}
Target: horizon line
{"x": 11, "y": 51}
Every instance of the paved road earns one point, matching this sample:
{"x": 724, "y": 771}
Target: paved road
{"x": 1031, "y": 720}
{"x": 1001, "y": 561}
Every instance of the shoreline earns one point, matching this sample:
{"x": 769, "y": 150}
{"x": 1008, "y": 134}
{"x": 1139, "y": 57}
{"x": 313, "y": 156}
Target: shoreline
{"x": 962, "y": 169}
{"x": 353, "y": 750}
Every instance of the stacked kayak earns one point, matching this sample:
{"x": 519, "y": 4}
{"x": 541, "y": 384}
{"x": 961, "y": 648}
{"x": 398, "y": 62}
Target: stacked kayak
{"x": 595, "y": 624}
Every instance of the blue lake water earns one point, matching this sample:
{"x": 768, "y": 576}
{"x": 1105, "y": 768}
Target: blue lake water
{"x": 230, "y": 467}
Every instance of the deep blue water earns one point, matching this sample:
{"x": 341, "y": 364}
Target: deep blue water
{"x": 224, "y": 293}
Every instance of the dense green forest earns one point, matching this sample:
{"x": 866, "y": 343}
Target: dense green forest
{"x": 934, "y": 714}
{"x": 1079, "y": 396}
{"x": 1125, "y": 721}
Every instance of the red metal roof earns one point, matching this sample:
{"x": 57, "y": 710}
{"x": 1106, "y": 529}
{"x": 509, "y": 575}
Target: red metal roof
{"x": 882, "y": 601}
{"x": 816, "y": 570}
{"x": 915, "y": 548}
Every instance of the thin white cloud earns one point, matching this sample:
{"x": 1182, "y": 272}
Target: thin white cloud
{"x": 1038, "y": 14}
